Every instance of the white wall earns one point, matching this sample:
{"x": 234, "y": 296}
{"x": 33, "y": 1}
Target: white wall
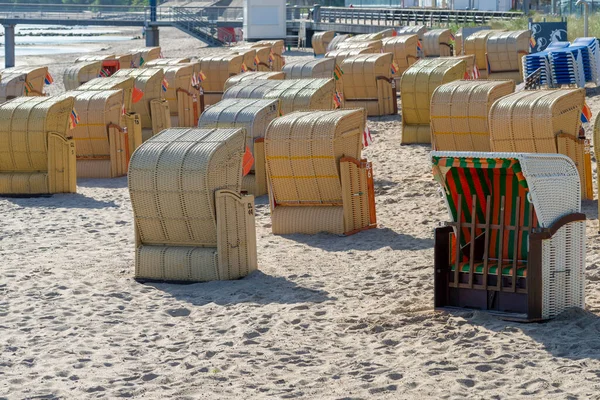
{"x": 264, "y": 19}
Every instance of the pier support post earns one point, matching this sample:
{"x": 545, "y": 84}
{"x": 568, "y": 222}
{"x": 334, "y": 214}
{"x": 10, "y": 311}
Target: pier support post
{"x": 9, "y": 46}
{"x": 152, "y": 36}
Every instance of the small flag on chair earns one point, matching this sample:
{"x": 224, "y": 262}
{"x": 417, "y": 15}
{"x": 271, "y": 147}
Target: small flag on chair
{"x": 164, "y": 85}
{"x": 586, "y": 113}
{"x": 247, "y": 161}
{"x": 104, "y": 73}
{"x": 244, "y": 68}
{"x": 195, "y": 81}
{"x": 201, "y": 76}
{"x": 394, "y": 33}
{"x": 73, "y": 119}
{"x": 476, "y": 74}
{"x": 48, "y": 79}
{"x": 367, "y": 138}
{"x": 256, "y": 61}
{"x": 452, "y": 37}
{"x": 136, "y": 95}
{"x": 271, "y": 59}
{"x": 532, "y": 42}
{"x": 419, "y": 46}
{"x": 28, "y": 88}
{"x": 142, "y": 61}
{"x": 337, "y": 101}
{"x": 394, "y": 68}
{"x": 123, "y": 109}
{"x": 337, "y": 72}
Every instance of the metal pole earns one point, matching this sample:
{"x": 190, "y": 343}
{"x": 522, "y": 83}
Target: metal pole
{"x": 585, "y": 15}
{"x": 9, "y": 46}
{"x": 153, "y": 10}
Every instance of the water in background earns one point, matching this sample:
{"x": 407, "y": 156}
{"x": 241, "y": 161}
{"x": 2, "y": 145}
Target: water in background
{"x": 49, "y": 39}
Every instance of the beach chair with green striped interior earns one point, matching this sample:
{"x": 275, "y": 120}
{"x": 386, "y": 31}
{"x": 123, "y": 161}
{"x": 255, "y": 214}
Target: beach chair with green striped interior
{"x": 516, "y": 240}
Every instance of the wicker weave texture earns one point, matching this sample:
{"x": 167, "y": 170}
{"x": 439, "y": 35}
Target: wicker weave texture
{"x": 368, "y": 79}
{"x": 436, "y": 43}
{"x": 80, "y": 73}
{"x": 374, "y": 45}
{"x": 35, "y": 155}
{"x": 276, "y": 75}
{"x": 276, "y": 48}
{"x": 458, "y": 43}
{"x": 261, "y": 54}
{"x": 254, "y": 116}
{"x": 146, "y": 54}
{"x": 163, "y": 62}
{"x": 303, "y": 150}
{"x": 218, "y": 69}
{"x": 418, "y": 30}
{"x": 248, "y": 59}
{"x": 293, "y": 94}
{"x": 149, "y": 81}
{"x": 404, "y": 49}
{"x": 529, "y": 121}
{"x": 505, "y": 49}
{"x": 417, "y": 86}
{"x": 97, "y": 111}
{"x": 124, "y": 83}
{"x": 191, "y": 222}
{"x": 320, "y": 41}
{"x": 316, "y": 68}
{"x": 459, "y": 113}
{"x": 476, "y": 44}
{"x": 13, "y": 82}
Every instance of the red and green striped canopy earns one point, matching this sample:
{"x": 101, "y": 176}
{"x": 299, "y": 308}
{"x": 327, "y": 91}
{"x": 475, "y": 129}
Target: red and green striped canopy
{"x": 483, "y": 177}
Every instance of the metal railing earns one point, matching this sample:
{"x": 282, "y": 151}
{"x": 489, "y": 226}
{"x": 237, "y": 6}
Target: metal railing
{"x": 406, "y": 16}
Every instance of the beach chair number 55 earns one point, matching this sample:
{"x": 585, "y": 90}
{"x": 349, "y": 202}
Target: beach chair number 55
{"x": 250, "y": 209}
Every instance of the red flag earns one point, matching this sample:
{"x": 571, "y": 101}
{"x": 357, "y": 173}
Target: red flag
{"x": 136, "y": 95}
{"x": 586, "y": 113}
{"x": 247, "y": 162}
{"x": 367, "y": 138}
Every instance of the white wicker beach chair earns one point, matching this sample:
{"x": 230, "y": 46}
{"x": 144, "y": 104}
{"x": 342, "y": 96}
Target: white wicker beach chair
{"x": 524, "y": 252}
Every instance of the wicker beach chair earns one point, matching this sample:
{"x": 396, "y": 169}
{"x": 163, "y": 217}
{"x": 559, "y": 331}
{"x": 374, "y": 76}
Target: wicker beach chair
{"x": 144, "y": 54}
{"x": 436, "y": 43}
{"x": 37, "y": 156}
{"x": 368, "y": 83}
{"x": 152, "y": 108}
{"x": 374, "y": 45}
{"x": 320, "y": 41}
{"x": 543, "y": 121}
{"x": 254, "y": 115}
{"x": 418, "y": 30}
{"x": 276, "y": 52}
{"x": 110, "y": 62}
{"x": 250, "y": 76}
{"x": 515, "y": 243}
{"x": 262, "y": 55}
{"x": 404, "y": 49}
{"x": 22, "y": 81}
{"x": 365, "y": 37}
{"x": 163, "y": 62}
{"x": 417, "y": 86}
{"x": 505, "y": 51}
{"x": 340, "y": 56}
{"x": 458, "y": 42}
{"x": 101, "y": 142}
{"x": 317, "y": 180}
{"x": 315, "y": 68}
{"x": 476, "y": 45}
{"x": 80, "y": 73}
{"x": 459, "y": 113}
{"x": 217, "y": 70}
{"x": 186, "y": 103}
{"x": 248, "y": 59}
{"x": 191, "y": 222}
{"x": 131, "y": 120}
{"x": 293, "y": 94}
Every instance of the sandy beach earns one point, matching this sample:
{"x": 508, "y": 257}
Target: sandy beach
{"x": 325, "y": 317}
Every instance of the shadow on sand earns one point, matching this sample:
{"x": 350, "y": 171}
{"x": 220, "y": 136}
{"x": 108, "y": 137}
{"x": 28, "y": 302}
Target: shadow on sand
{"x": 257, "y": 288}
